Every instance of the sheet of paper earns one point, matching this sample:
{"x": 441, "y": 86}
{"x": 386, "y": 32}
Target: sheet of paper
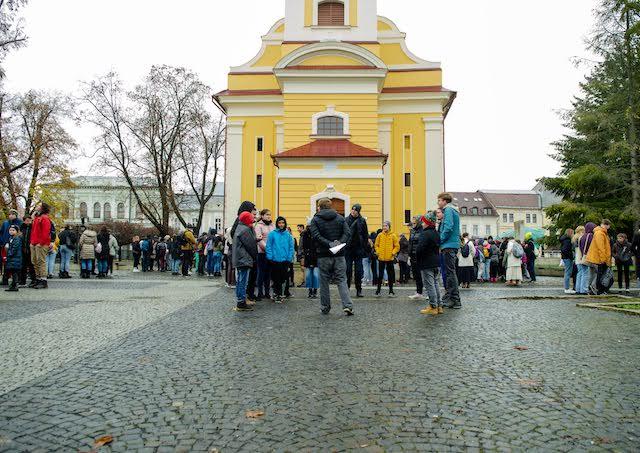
{"x": 337, "y": 248}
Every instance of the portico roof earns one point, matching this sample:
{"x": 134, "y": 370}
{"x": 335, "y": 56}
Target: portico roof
{"x": 330, "y": 149}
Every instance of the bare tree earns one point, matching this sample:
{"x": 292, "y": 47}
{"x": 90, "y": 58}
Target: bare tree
{"x": 35, "y": 148}
{"x": 12, "y": 34}
{"x": 145, "y": 132}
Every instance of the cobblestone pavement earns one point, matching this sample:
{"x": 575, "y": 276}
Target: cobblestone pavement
{"x": 166, "y": 365}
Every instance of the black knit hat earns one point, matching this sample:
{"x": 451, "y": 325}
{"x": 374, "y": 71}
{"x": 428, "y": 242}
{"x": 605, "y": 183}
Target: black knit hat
{"x": 357, "y": 207}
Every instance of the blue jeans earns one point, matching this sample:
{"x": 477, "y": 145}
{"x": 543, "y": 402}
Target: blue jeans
{"x": 175, "y": 266}
{"x": 217, "y": 262}
{"x": 568, "y": 273}
{"x": 312, "y": 279}
{"x": 241, "y": 284}
{"x": 86, "y": 265}
{"x": 103, "y": 266}
{"x": 51, "y": 262}
{"x": 486, "y": 276}
{"x": 65, "y": 258}
{"x": 582, "y": 280}
{"x": 210, "y": 262}
{"x": 366, "y": 265}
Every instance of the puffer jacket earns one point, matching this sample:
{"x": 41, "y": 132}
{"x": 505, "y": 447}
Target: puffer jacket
{"x": 264, "y": 230}
{"x": 280, "y": 246}
{"x": 566, "y": 247}
{"x": 113, "y": 245}
{"x": 189, "y": 241}
{"x": 328, "y": 226}
{"x": 14, "y": 253}
{"x": 87, "y": 245}
{"x": 245, "y": 248}
{"x": 414, "y": 239}
{"x": 387, "y": 246}
{"x": 358, "y": 245}
{"x": 428, "y": 249}
{"x": 600, "y": 250}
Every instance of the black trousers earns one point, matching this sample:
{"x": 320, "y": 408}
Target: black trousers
{"x": 417, "y": 275}
{"x": 251, "y": 284}
{"x": 405, "y": 273}
{"x": 391, "y": 274}
{"x": 187, "y": 258}
{"x": 27, "y": 269}
{"x": 279, "y": 276}
{"x": 136, "y": 260}
{"x": 623, "y": 272}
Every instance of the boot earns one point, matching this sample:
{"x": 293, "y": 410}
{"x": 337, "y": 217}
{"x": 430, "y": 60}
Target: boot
{"x": 315, "y": 293}
{"x": 430, "y": 311}
{"x": 310, "y": 294}
{"x": 42, "y": 284}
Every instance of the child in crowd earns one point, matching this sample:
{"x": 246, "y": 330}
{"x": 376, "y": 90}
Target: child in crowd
{"x": 281, "y": 253}
{"x": 14, "y": 257}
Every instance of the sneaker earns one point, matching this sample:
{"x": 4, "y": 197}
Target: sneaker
{"x": 392, "y": 295}
{"x": 430, "y": 311}
{"x": 12, "y": 289}
{"x": 416, "y": 296}
{"x": 569, "y": 291}
{"x": 42, "y": 284}
{"x": 348, "y": 311}
{"x": 377, "y": 294}
{"x": 243, "y": 307}
{"x": 135, "y": 269}
{"x": 278, "y": 299}
{"x": 325, "y": 312}
{"x": 359, "y": 295}
{"x": 440, "y": 310}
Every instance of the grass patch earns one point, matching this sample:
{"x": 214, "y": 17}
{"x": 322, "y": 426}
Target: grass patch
{"x": 628, "y": 306}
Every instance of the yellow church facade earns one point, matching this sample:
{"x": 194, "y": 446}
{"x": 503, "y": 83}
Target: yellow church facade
{"x": 335, "y": 105}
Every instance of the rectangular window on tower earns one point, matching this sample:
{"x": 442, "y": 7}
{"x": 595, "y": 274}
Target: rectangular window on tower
{"x": 259, "y": 144}
{"x": 258, "y": 181}
{"x": 535, "y": 218}
{"x": 407, "y": 179}
{"x": 407, "y": 216}
{"x": 407, "y": 142}
{"x": 504, "y": 218}
{"x": 511, "y": 218}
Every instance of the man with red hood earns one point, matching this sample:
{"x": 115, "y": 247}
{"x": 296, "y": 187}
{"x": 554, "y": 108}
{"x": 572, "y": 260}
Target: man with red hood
{"x": 245, "y": 254}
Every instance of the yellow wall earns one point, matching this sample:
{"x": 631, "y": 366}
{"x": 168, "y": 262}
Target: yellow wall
{"x": 362, "y": 110}
{"x": 295, "y": 196}
{"x": 270, "y": 57}
{"x": 331, "y": 60}
{"x": 410, "y": 161}
{"x": 308, "y": 13}
{"x": 254, "y": 163}
{"x": 413, "y": 79}
{"x": 383, "y": 26}
{"x": 353, "y": 13}
{"x": 253, "y": 82}
{"x": 393, "y": 54}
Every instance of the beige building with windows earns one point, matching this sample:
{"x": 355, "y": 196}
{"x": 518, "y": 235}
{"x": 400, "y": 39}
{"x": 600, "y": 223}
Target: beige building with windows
{"x": 515, "y": 206}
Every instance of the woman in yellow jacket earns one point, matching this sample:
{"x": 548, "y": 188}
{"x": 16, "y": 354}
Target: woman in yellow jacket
{"x": 51, "y": 257}
{"x": 599, "y": 257}
{"x": 387, "y": 247}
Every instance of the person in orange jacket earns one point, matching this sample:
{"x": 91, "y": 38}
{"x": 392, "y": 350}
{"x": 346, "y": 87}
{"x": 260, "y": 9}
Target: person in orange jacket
{"x": 599, "y": 256}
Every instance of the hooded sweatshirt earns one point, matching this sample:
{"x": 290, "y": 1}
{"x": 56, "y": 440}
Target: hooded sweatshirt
{"x": 246, "y": 206}
{"x": 600, "y": 250}
{"x": 587, "y": 238}
{"x": 280, "y": 244}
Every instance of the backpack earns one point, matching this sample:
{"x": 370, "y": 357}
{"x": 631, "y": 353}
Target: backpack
{"x": 624, "y": 255}
{"x": 53, "y": 232}
{"x": 607, "y": 279}
{"x": 161, "y": 248}
{"x": 517, "y": 251}
{"x": 466, "y": 251}
{"x": 144, "y": 245}
{"x": 181, "y": 241}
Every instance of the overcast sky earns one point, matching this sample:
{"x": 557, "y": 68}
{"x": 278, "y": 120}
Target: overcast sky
{"x": 510, "y": 62}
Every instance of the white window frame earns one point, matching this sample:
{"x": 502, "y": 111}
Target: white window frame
{"x": 331, "y": 111}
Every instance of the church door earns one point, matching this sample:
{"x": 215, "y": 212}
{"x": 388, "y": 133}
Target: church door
{"x": 338, "y": 205}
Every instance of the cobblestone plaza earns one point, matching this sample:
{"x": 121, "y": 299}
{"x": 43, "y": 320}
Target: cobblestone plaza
{"x": 167, "y": 365}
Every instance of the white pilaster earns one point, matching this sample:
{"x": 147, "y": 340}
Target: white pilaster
{"x": 434, "y": 142}
{"x": 279, "y": 136}
{"x": 233, "y": 172}
{"x": 384, "y": 143}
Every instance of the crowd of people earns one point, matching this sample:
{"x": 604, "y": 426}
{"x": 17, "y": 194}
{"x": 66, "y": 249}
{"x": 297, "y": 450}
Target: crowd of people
{"x": 257, "y": 256}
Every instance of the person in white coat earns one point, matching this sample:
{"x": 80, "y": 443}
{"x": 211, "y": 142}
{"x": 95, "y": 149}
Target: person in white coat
{"x": 466, "y": 254}
{"x": 514, "y": 263}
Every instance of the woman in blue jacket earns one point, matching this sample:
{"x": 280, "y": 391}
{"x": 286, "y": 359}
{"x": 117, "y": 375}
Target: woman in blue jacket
{"x": 280, "y": 253}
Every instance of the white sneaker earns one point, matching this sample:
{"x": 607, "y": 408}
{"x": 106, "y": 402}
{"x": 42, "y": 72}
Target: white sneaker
{"x": 569, "y": 291}
{"x": 136, "y": 270}
{"x": 416, "y": 296}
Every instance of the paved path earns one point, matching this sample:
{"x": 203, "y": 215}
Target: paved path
{"x": 165, "y": 365}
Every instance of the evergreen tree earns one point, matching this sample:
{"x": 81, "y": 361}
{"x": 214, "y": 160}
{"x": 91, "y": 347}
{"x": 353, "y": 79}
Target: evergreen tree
{"x": 599, "y": 177}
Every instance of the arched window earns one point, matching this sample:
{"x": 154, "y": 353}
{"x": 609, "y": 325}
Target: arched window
{"x": 121, "y": 210}
{"x": 84, "y": 210}
{"x": 330, "y": 126}
{"x": 96, "y": 211}
{"x": 107, "y": 211}
{"x": 331, "y": 14}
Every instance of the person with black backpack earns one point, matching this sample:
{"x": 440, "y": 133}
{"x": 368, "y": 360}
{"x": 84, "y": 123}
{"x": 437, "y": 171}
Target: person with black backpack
{"x": 622, "y": 253}
{"x": 466, "y": 255}
{"x": 68, "y": 244}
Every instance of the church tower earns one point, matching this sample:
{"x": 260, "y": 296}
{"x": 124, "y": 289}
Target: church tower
{"x": 335, "y": 105}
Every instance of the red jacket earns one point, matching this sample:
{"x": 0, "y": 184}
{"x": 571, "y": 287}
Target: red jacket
{"x": 41, "y": 231}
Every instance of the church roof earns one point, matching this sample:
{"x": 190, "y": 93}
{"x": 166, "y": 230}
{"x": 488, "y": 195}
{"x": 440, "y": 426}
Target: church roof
{"x": 320, "y": 149}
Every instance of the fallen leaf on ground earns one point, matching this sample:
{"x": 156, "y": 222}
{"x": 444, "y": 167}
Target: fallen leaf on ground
{"x": 102, "y": 441}
{"x": 254, "y": 414}
{"x": 521, "y": 348}
{"x": 529, "y": 382}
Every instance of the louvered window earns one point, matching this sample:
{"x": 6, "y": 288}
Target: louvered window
{"x": 330, "y": 14}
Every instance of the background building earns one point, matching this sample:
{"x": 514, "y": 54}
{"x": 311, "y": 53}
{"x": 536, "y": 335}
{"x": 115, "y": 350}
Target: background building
{"x": 516, "y": 206}
{"x": 98, "y": 199}
{"x": 477, "y": 215}
{"x": 335, "y": 105}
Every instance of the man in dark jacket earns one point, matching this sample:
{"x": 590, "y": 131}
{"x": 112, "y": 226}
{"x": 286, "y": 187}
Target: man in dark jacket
{"x": 68, "y": 243}
{"x": 428, "y": 260}
{"x": 329, "y": 229}
{"x": 14, "y": 257}
{"x": 27, "y": 265}
{"x": 357, "y": 248}
{"x": 245, "y": 255}
{"x": 568, "y": 256}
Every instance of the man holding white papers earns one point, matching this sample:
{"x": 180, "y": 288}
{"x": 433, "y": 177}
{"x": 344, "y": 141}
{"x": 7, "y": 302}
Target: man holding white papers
{"x": 330, "y": 233}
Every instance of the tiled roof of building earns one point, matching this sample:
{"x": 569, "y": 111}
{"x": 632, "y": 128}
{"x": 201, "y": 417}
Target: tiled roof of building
{"x": 513, "y": 199}
{"x": 466, "y": 201}
{"x": 329, "y": 149}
